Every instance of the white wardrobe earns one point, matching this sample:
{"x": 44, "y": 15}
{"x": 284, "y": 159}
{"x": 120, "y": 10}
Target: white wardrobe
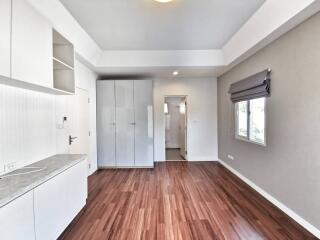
{"x": 125, "y": 123}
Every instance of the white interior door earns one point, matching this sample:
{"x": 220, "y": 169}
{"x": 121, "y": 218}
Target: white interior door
{"x": 124, "y": 123}
{"x": 106, "y": 123}
{"x": 143, "y": 113}
{"x": 183, "y": 129}
{"x": 78, "y": 122}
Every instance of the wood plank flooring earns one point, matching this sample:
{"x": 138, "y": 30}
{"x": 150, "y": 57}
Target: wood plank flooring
{"x": 178, "y": 200}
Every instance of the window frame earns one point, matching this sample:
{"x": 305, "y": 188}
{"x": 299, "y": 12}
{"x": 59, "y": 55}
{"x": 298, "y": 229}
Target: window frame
{"x": 236, "y": 117}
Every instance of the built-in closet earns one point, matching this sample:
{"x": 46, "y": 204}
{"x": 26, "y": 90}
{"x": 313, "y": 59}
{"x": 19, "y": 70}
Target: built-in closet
{"x": 125, "y": 123}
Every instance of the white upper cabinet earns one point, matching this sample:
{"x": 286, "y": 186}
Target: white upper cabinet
{"x": 31, "y": 45}
{"x": 5, "y": 32}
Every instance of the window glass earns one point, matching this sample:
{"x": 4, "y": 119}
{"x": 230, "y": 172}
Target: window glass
{"x": 257, "y": 120}
{"x": 242, "y": 119}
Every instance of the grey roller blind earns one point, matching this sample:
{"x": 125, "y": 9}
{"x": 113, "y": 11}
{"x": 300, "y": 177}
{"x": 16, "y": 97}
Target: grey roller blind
{"x": 255, "y": 86}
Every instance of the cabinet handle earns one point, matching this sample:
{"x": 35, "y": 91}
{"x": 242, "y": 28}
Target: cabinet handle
{"x": 113, "y": 124}
{"x": 133, "y": 123}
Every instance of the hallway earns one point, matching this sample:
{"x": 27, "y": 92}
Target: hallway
{"x": 173, "y": 154}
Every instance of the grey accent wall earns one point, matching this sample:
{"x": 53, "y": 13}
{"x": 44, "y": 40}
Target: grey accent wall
{"x": 288, "y": 168}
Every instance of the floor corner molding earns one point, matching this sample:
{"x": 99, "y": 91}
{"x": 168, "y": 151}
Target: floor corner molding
{"x": 308, "y": 226}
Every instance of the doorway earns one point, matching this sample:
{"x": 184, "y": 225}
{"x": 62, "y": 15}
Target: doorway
{"x": 175, "y": 110}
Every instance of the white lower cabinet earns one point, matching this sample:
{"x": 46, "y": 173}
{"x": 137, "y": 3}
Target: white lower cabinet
{"x": 58, "y": 201}
{"x": 17, "y": 219}
{"x": 46, "y": 211}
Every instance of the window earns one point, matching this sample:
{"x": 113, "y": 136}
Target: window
{"x": 250, "y": 120}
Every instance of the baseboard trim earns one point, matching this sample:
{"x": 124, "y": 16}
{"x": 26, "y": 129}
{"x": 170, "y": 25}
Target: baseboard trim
{"x": 201, "y": 160}
{"x": 114, "y": 168}
{"x": 305, "y": 224}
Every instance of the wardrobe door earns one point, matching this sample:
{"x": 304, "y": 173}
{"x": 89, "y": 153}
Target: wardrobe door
{"x": 106, "y": 123}
{"x": 125, "y": 123}
{"x": 143, "y": 107}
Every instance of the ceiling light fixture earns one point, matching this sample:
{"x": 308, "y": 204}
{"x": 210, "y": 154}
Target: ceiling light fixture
{"x": 163, "y": 1}
{"x": 175, "y": 73}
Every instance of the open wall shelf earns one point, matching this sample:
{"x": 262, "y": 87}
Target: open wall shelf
{"x": 63, "y": 63}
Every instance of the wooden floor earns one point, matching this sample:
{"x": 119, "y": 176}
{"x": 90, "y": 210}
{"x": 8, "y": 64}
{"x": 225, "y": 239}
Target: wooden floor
{"x": 178, "y": 200}
{"x": 173, "y": 154}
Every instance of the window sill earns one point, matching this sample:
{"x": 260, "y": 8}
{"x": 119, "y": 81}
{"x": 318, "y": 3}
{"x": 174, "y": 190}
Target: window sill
{"x": 249, "y": 141}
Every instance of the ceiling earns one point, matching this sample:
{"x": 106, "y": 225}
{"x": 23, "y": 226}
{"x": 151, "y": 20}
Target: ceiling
{"x": 149, "y": 25}
{"x": 158, "y": 72}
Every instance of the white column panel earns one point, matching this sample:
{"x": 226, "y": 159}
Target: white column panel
{"x": 143, "y": 107}
{"x": 106, "y": 123}
{"x": 5, "y": 37}
{"x": 125, "y": 123}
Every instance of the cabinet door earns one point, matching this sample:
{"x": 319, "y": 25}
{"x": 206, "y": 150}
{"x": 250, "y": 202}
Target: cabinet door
{"x": 124, "y": 123}
{"x": 59, "y": 200}
{"x": 106, "y": 123}
{"x": 5, "y": 32}
{"x": 143, "y": 112}
{"x": 16, "y": 219}
{"x": 31, "y": 45}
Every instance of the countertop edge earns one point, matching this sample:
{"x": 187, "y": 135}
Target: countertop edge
{"x": 5, "y": 201}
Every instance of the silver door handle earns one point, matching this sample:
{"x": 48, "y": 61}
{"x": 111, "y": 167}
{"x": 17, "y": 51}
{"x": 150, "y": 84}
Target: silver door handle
{"x": 71, "y": 139}
{"x": 133, "y": 123}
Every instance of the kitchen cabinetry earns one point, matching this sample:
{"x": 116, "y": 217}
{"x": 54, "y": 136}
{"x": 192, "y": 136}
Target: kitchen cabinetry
{"x": 16, "y": 218}
{"x": 33, "y": 54}
{"x": 63, "y": 63}
{"x": 31, "y": 45}
{"x": 50, "y": 200}
{"x": 59, "y": 200}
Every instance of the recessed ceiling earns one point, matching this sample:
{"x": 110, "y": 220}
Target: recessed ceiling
{"x": 159, "y": 72}
{"x": 150, "y": 25}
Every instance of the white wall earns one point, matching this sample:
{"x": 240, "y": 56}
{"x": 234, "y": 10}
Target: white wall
{"x": 85, "y": 79}
{"x": 287, "y": 168}
{"x": 30, "y": 123}
{"x": 27, "y": 126}
{"x": 202, "y": 116}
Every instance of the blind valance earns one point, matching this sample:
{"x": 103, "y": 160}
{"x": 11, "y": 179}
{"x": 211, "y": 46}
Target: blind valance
{"x": 255, "y": 86}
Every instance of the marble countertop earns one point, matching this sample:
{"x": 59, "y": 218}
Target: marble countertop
{"x": 12, "y": 187}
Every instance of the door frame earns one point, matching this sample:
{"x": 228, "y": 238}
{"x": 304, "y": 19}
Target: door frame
{"x": 187, "y": 125}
